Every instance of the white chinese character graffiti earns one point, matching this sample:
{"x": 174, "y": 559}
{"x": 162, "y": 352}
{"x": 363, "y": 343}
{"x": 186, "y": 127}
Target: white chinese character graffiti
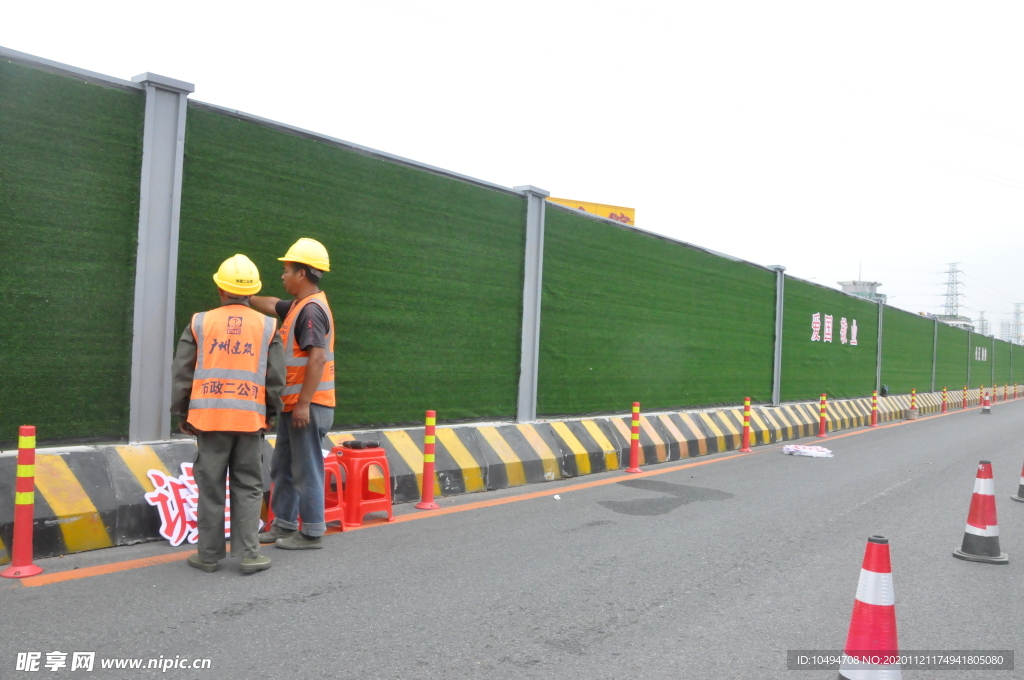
{"x": 853, "y": 333}
{"x": 815, "y": 327}
{"x": 83, "y": 660}
{"x": 828, "y": 328}
{"x": 842, "y": 330}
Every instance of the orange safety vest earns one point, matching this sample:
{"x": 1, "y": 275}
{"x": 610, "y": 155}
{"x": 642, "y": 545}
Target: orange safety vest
{"x": 295, "y": 359}
{"x": 229, "y": 386}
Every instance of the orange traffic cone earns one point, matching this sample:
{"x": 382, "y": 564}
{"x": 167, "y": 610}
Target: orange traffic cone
{"x": 873, "y": 622}
{"x": 981, "y": 537}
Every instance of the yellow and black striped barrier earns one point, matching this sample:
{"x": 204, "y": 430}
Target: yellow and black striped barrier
{"x": 92, "y": 497}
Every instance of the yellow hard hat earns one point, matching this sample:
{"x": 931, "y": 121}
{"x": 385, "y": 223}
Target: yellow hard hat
{"x": 239, "y": 276}
{"x": 308, "y": 251}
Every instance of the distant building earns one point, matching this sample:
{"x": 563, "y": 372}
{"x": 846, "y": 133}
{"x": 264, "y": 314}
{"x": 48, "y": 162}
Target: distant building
{"x": 864, "y": 289}
{"x": 958, "y": 321}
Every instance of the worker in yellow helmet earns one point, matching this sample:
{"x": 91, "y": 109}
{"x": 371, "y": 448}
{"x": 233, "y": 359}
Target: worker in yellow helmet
{"x": 307, "y": 330}
{"x": 229, "y": 372}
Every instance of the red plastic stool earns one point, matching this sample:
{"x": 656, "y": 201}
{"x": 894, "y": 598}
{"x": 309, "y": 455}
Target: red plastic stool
{"x": 359, "y": 500}
{"x": 334, "y": 501}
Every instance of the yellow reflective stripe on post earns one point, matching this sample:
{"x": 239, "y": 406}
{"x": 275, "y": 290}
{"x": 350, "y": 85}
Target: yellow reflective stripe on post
{"x": 428, "y": 458}
{"x": 24, "y": 497}
{"x": 431, "y": 421}
{"x": 27, "y": 442}
{"x": 634, "y": 435}
{"x": 428, "y": 439}
{"x": 26, "y": 470}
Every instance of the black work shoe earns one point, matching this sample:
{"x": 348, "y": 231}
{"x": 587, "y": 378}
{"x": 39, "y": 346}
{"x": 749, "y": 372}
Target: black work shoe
{"x": 275, "y": 533}
{"x": 209, "y": 567}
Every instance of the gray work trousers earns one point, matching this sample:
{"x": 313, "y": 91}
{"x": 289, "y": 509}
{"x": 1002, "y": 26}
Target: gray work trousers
{"x": 242, "y": 456}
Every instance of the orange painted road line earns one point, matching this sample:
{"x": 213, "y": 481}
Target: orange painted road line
{"x": 100, "y": 569}
{"x": 114, "y": 567}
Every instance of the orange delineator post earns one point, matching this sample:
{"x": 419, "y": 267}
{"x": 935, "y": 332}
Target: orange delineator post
{"x": 746, "y": 426}
{"x": 874, "y": 408}
{"x": 634, "y": 440}
{"x": 427, "y": 494}
{"x": 981, "y": 396}
{"x": 944, "y": 398}
{"x": 24, "y": 507}
{"x": 965, "y": 397}
{"x": 823, "y": 426}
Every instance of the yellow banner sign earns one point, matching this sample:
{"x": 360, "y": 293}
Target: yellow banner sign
{"x": 613, "y": 212}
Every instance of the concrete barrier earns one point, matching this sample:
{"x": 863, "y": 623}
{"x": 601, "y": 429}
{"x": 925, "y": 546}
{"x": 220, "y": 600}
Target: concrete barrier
{"x": 90, "y": 497}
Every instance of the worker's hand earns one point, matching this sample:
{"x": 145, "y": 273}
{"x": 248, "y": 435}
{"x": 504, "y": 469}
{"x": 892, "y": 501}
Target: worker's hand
{"x": 300, "y": 416}
{"x": 185, "y": 427}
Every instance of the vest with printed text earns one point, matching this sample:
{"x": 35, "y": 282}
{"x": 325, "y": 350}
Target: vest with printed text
{"x": 229, "y": 386}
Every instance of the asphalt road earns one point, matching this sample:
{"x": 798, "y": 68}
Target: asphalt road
{"x": 706, "y": 571}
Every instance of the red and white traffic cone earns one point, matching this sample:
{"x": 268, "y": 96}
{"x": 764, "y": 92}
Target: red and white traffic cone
{"x": 986, "y": 405}
{"x": 873, "y": 622}
{"x": 981, "y": 537}
{"x": 1020, "y": 489}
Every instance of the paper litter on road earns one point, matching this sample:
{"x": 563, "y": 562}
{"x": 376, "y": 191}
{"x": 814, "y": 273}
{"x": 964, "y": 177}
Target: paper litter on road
{"x": 812, "y": 451}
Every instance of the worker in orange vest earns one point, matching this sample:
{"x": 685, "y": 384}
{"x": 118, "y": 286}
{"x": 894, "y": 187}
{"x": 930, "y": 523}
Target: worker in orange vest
{"x": 297, "y": 468}
{"x": 229, "y": 372}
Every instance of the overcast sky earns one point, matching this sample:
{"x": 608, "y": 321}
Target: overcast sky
{"x": 815, "y": 135}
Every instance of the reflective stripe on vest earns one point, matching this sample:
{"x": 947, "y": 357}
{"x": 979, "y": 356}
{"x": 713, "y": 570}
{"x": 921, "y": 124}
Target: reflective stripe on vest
{"x": 296, "y": 360}
{"x": 229, "y": 385}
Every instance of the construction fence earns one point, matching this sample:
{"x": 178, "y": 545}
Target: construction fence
{"x": 427, "y": 281}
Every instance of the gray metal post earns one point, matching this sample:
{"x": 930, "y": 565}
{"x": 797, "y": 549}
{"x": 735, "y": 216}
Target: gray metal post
{"x": 935, "y": 351}
{"x": 780, "y": 292}
{"x": 526, "y": 409}
{"x": 156, "y": 270}
{"x": 878, "y": 358}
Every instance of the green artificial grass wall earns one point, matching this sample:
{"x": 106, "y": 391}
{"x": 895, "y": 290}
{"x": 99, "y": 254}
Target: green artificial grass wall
{"x": 811, "y": 367}
{"x": 1002, "y": 365}
{"x": 907, "y": 345}
{"x": 630, "y": 317}
{"x": 70, "y": 162}
{"x": 426, "y": 272}
{"x": 951, "y": 360}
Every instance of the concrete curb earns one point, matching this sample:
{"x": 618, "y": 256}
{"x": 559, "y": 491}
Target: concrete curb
{"x": 91, "y": 497}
